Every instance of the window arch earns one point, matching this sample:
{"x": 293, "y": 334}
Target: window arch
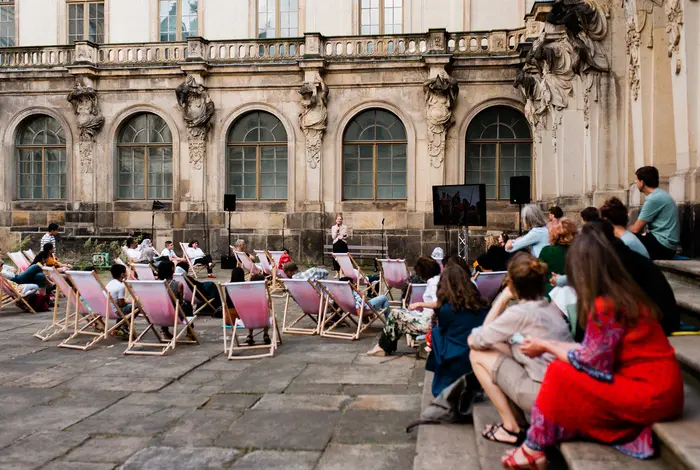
{"x": 41, "y": 158}
{"x": 499, "y": 145}
{"x": 145, "y": 158}
{"x": 374, "y": 156}
{"x": 256, "y": 157}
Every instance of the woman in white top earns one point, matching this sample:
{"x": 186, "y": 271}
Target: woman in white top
{"x": 403, "y": 321}
{"x": 132, "y": 251}
{"x": 195, "y": 253}
{"x": 339, "y": 233}
{"x": 537, "y": 237}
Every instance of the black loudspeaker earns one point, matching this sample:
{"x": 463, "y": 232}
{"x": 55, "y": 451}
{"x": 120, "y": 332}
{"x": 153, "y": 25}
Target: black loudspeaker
{"x": 520, "y": 190}
{"x": 230, "y": 202}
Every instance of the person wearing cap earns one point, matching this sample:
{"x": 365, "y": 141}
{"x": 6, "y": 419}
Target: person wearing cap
{"x": 438, "y": 255}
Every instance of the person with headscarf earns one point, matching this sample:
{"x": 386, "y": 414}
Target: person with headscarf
{"x": 148, "y": 252}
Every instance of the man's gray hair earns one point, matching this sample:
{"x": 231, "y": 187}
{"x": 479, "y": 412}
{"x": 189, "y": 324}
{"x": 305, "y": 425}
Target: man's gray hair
{"x": 239, "y": 242}
{"x": 533, "y": 217}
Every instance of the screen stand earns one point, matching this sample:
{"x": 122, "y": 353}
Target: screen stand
{"x": 463, "y": 243}
{"x": 447, "y": 239}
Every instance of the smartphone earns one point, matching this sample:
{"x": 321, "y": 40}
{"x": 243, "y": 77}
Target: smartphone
{"x": 517, "y": 338}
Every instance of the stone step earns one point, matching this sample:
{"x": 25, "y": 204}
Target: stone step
{"x": 688, "y": 300}
{"x": 680, "y": 445}
{"x": 687, "y": 272}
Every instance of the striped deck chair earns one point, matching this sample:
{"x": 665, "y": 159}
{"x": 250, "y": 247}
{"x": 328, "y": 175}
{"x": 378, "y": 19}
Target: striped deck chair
{"x": 20, "y": 261}
{"x": 340, "y": 292}
{"x": 29, "y": 254}
{"x": 276, "y": 257}
{"x": 62, "y": 322}
{"x": 144, "y": 272}
{"x": 413, "y": 294}
{"x": 103, "y": 308}
{"x": 192, "y": 295}
{"x": 489, "y": 283}
{"x": 244, "y": 262}
{"x": 349, "y": 268}
{"x": 159, "y": 307}
{"x": 269, "y": 268}
{"x": 393, "y": 274}
{"x": 256, "y": 310}
{"x": 309, "y": 298}
{"x": 9, "y": 295}
{"x": 129, "y": 271}
{"x": 194, "y": 268}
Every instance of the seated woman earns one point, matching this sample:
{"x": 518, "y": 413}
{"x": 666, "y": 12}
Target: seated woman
{"x": 148, "y": 253}
{"x": 47, "y": 257}
{"x": 195, "y": 253}
{"x": 496, "y": 257}
{"x": 402, "y": 321}
{"x": 166, "y": 270}
{"x": 561, "y": 235}
{"x": 537, "y": 237}
{"x": 32, "y": 279}
{"x": 460, "y": 308}
{"x": 509, "y": 378}
{"x": 623, "y": 378}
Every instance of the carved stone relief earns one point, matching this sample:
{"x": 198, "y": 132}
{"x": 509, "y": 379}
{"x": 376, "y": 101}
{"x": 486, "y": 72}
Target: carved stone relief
{"x": 674, "y": 24}
{"x": 632, "y": 45}
{"x": 440, "y": 96}
{"x": 198, "y": 109}
{"x": 83, "y": 98}
{"x": 313, "y": 116}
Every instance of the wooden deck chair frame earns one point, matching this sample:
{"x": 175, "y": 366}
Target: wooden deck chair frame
{"x": 59, "y": 323}
{"x": 9, "y": 295}
{"x": 94, "y": 318}
{"x": 198, "y": 297}
{"x": 328, "y": 329}
{"x": 410, "y": 340}
{"x": 246, "y": 264}
{"x": 382, "y": 276}
{"x": 143, "y": 268}
{"x": 275, "y": 277}
{"x": 182, "y": 325}
{"x": 194, "y": 268}
{"x": 360, "y": 274}
{"x": 29, "y": 255}
{"x": 129, "y": 271}
{"x": 317, "y": 319}
{"x": 18, "y": 259}
{"x": 233, "y": 345}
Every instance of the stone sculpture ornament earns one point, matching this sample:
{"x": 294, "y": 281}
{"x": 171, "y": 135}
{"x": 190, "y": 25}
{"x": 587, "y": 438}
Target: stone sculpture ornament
{"x": 632, "y": 45}
{"x": 198, "y": 109}
{"x": 440, "y": 96}
{"x": 674, "y": 16}
{"x": 83, "y": 98}
{"x": 313, "y": 116}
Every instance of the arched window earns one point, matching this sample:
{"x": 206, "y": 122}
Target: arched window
{"x": 499, "y": 145}
{"x": 257, "y": 157}
{"x": 374, "y": 157}
{"x": 41, "y": 159}
{"x": 145, "y": 158}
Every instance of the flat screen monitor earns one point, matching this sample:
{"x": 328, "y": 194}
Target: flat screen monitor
{"x": 460, "y": 205}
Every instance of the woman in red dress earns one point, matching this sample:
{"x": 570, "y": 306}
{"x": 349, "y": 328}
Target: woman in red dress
{"x": 623, "y": 378}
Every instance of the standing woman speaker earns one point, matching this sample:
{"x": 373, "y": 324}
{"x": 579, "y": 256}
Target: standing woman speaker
{"x": 339, "y": 233}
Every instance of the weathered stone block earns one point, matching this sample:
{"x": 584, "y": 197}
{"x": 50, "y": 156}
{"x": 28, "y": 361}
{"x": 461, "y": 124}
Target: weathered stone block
{"x": 37, "y": 219}
{"x": 20, "y": 218}
{"x": 58, "y": 217}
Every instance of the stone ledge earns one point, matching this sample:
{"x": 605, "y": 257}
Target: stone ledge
{"x": 680, "y": 438}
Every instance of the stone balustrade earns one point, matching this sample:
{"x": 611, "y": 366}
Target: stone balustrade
{"x": 195, "y": 49}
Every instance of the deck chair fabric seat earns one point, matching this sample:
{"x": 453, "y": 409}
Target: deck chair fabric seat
{"x": 159, "y": 307}
{"x": 269, "y": 268}
{"x": 19, "y": 261}
{"x": 73, "y": 306}
{"x": 309, "y": 298}
{"x": 489, "y": 283}
{"x": 102, "y": 308}
{"x": 341, "y": 293}
{"x": 244, "y": 262}
{"x": 29, "y": 255}
{"x": 414, "y": 294}
{"x": 350, "y": 269}
{"x": 10, "y": 295}
{"x": 256, "y": 310}
{"x": 144, "y": 272}
{"x": 194, "y": 268}
{"x": 393, "y": 274}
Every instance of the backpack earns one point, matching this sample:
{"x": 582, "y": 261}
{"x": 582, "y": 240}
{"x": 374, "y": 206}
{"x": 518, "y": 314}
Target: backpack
{"x": 39, "y": 302}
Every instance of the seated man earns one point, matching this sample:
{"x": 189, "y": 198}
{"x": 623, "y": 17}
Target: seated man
{"x": 131, "y": 249}
{"x": 616, "y": 212}
{"x": 117, "y": 290}
{"x": 169, "y": 253}
{"x": 312, "y": 274}
{"x": 659, "y": 214}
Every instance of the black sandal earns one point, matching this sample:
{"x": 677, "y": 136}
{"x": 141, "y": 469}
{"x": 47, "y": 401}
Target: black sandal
{"x": 491, "y": 435}
{"x": 266, "y": 339}
{"x": 250, "y": 341}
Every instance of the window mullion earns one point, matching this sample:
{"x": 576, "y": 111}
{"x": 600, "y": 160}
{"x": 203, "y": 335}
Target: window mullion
{"x": 498, "y": 171}
{"x": 145, "y": 171}
{"x": 374, "y": 170}
{"x": 43, "y": 172}
{"x": 257, "y": 171}
{"x": 178, "y": 20}
{"x": 278, "y": 19}
{"x": 381, "y": 16}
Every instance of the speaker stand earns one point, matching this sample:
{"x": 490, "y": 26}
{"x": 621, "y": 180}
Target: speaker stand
{"x": 520, "y": 219}
{"x": 463, "y": 243}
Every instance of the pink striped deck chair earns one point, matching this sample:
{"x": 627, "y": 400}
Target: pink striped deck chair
{"x": 340, "y": 292}
{"x": 129, "y": 271}
{"x": 159, "y": 307}
{"x": 94, "y": 296}
{"x": 414, "y": 294}
{"x": 61, "y": 323}
{"x": 393, "y": 274}
{"x": 244, "y": 262}
{"x": 20, "y": 261}
{"x": 194, "y": 268}
{"x": 489, "y": 283}
{"x": 269, "y": 268}
{"x": 192, "y": 295}
{"x": 9, "y": 295}
{"x": 276, "y": 256}
{"x": 349, "y": 268}
{"x": 144, "y": 272}
{"x": 29, "y": 254}
{"x": 309, "y": 298}
{"x": 256, "y": 310}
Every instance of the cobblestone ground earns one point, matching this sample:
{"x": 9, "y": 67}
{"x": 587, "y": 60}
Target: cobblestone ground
{"x": 318, "y": 404}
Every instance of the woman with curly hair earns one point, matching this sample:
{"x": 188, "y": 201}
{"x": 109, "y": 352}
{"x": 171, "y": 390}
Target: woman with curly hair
{"x": 561, "y": 235}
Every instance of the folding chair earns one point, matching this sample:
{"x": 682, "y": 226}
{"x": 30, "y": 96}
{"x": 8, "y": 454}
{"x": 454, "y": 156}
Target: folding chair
{"x": 192, "y": 295}
{"x": 194, "y": 268}
{"x": 393, "y": 273}
{"x": 160, "y": 308}
{"x": 129, "y": 271}
{"x": 61, "y": 324}
{"x": 489, "y": 283}
{"x": 256, "y": 310}
{"x": 9, "y": 295}
{"x": 144, "y": 272}
{"x": 414, "y": 294}
{"x": 340, "y": 292}
{"x": 245, "y": 263}
{"x": 276, "y": 257}
{"x": 92, "y": 293}
{"x": 269, "y": 268}
{"x": 310, "y": 299}
{"x": 29, "y": 254}
{"x": 19, "y": 260}
{"x": 351, "y": 269}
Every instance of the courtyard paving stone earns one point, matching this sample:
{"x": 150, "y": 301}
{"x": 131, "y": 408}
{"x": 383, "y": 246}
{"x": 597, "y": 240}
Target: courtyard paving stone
{"x": 276, "y": 460}
{"x": 107, "y": 449}
{"x": 232, "y": 401}
{"x": 376, "y": 457}
{"x": 374, "y": 427}
{"x": 180, "y": 458}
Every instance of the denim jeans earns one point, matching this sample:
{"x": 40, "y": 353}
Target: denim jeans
{"x": 380, "y": 303}
{"x": 33, "y": 275}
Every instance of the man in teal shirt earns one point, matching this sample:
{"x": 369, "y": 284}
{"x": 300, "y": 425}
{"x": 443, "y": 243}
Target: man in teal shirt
{"x": 659, "y": 214}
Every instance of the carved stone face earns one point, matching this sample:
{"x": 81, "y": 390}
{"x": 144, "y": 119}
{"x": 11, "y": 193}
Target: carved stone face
{"x": 307, "y": 99}
{"x": 84, "y": 106}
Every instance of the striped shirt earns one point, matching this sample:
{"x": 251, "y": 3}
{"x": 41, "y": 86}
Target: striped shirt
{"x": 47, "y": 238}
